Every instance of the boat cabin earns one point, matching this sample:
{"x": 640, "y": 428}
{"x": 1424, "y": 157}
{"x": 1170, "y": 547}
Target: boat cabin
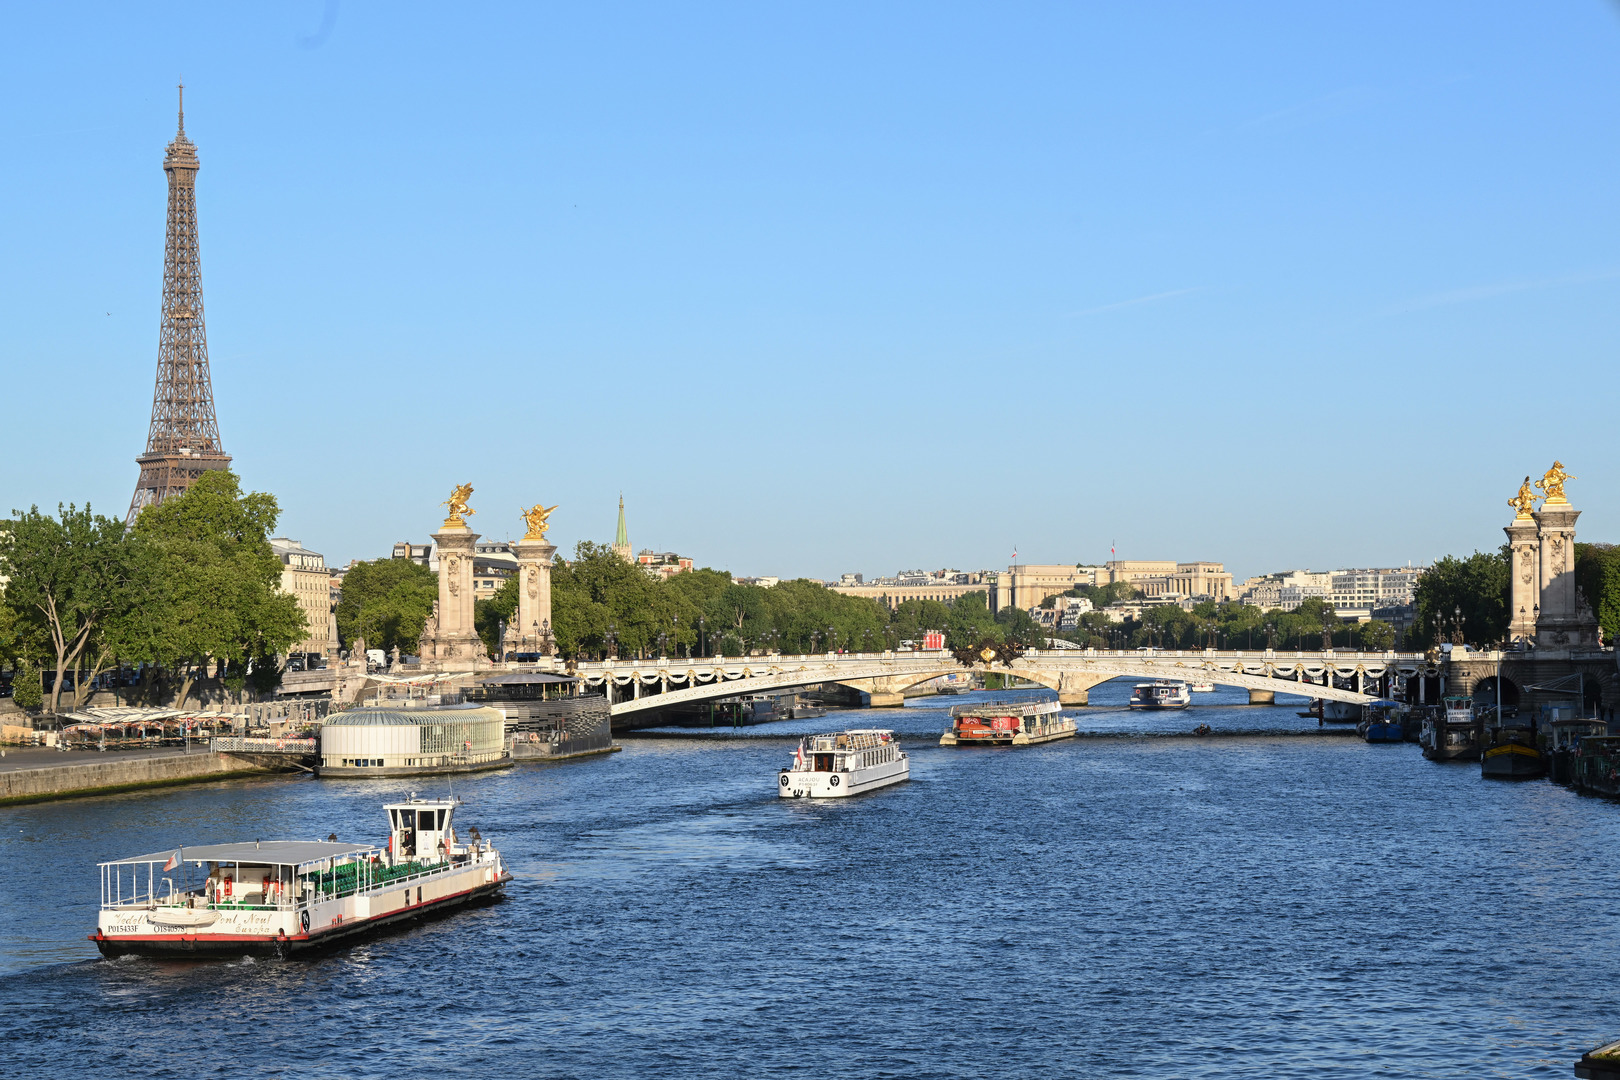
{"x": 847, "y": 750}
{"x": 420, "y": 829}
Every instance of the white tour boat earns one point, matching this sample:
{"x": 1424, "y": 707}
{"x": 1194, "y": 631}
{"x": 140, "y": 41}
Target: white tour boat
{"x": 1008, "y": 723}
{"x": 1160, "y": 694}
{"x": 283, "y": 897}
{"x": 846, "y": 763}
{"x": 1201, "y": 686}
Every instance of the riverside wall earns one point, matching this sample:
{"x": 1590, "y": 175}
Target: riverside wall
{"x": 116, "y": 774}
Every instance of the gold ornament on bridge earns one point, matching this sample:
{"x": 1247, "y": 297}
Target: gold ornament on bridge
{"x": 459, "y": 510}
{"x": 535, "y": 517}
{"x": 1524, "y": 501}
{"x": 1552, "y": 485}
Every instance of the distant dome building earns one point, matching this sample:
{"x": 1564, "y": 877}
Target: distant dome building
{"x": 413, "y": 741}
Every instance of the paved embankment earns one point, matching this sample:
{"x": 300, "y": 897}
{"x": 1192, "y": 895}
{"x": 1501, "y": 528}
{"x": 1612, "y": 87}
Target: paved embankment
{"x": 38, "y": 775}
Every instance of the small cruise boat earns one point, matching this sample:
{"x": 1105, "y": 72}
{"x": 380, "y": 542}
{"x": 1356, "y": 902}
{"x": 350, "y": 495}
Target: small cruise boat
{"x": 1452, "y": 734}
{"x": 286, "y": 897}
{"x": 844, "y": 763}
{"x": 1007, "y": 723}
{"x": 1200, "y": 686}
{"x": 1160, "y": 694}
{"x": 1381, "y": 722}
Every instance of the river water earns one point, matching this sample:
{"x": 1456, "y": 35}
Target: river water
{"x": 1269, "y": 902}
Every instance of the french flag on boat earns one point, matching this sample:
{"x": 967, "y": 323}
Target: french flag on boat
{"x": 174, "y": 861}
{"x": 798, "y": 756}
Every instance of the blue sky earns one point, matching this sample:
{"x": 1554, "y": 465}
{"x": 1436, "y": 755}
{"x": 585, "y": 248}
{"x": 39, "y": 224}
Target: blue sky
{"x": 826, "y": 288}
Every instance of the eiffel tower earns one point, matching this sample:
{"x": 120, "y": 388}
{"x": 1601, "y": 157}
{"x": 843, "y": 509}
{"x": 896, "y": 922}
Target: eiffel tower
{"x": 183, "y": 442}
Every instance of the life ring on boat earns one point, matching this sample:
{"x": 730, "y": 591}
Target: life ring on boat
{"x": 784, "y": 779}
{"x": 225, "y": 886}
{"x": 832, "y": 781}
{"x": 303, "y": 919}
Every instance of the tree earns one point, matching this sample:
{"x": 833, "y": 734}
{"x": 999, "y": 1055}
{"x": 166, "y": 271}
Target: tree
{"x": 489, "y": 612}
{"x": 1375, "y": 636}
{"x": 219, "y": 584}
{"x": 1478, "y": 585}
{"x": 971, "y": 621}
{"x": 911, "y": 618}
{"x": 1018, "y": 625}
{"x": 68, "y": 573}
{"x": 386, "y": 602}
{"x": 26, "y": 690}
{"x": 1597, "y": 576}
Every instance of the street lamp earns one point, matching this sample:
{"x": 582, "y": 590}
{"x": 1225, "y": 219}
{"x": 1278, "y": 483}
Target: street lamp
{"x": 612, "y": 641}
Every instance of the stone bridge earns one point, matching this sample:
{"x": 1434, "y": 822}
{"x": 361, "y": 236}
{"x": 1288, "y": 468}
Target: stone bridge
{"x": 636, "y": 686}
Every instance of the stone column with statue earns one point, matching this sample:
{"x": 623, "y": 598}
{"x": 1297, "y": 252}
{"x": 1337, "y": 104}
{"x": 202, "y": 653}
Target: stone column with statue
{"x": 1524, "y": 569}
{"x": 1563, "y": 622}
{"x": 455, "y": 639}
{"x": 534, "y": 555}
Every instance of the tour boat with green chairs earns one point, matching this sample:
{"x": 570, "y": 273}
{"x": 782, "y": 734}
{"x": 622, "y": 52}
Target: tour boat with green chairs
{"x": 286, "y": 897}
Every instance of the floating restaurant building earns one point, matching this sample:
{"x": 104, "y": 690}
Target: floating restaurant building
{"x": 413, "y": 741}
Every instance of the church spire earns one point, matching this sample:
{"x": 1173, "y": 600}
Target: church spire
{"x": 621, "y": 539}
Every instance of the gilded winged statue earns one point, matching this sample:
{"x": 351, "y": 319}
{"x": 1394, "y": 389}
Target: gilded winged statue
{"x": 535, "y": 517}
{"x": 1552, "y": 485}
{"x": 457, "y": 502}
{"x": 1525, "y": 500}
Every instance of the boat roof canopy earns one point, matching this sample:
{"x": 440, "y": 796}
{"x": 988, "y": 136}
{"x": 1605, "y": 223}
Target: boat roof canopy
{"x": 268, "y": 852}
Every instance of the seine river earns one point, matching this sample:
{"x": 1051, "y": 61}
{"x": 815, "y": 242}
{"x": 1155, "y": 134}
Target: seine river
{"x": 1266, "y": 903}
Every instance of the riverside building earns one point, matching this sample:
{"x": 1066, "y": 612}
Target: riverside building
{"x": 304, "y": 575}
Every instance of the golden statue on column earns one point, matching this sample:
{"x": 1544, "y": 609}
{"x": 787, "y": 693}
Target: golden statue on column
{"x": 535, "y": 518}
{"x": 1524, "y": 501}
{"x": 457, "y": 504}
{"x": 1552, "y": 485}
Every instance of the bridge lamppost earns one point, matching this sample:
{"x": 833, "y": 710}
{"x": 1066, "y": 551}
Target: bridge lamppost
{"x": 675, "y": 621}
{"x": 703, "y": 625}
{"x": 832, "y": 641}
{"x": 1271, "y": 636}
{"x": 613, "y": 641}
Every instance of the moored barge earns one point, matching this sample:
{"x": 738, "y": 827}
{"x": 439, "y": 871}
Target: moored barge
{"x": 1563, "y": 745}
{"x": 1007, "y": 723}
{"x": 1381, "y": 722}
{"x": 1511, "y": 753}
{"x": 286, "y": 897}
{"x": 1453, "y": 734}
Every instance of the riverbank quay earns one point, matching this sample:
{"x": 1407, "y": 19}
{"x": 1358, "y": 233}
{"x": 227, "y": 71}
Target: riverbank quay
{"x": 34, "y": 775}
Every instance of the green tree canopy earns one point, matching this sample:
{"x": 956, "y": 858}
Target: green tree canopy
{"x": 1478, "y": 585}
{"x": 1597, "y": 575}
{"x": 67, "y": 575}
{"x": 216, "y": 585}
{"x": 386, "y": 602}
